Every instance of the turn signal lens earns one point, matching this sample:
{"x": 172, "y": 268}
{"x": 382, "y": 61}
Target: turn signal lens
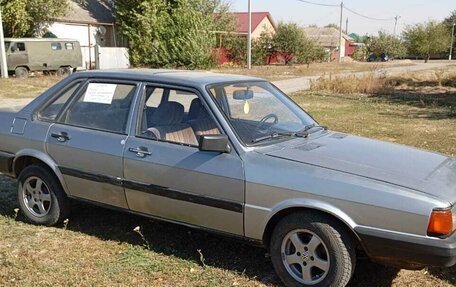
{"x": 441, "y": 222}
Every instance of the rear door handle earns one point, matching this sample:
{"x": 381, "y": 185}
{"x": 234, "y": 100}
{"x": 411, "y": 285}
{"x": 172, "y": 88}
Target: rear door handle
{"x": 61, "y": 137}
{"x": 140, "y": 152}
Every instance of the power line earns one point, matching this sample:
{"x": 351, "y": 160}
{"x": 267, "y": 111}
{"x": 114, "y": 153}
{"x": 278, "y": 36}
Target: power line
{"x": 319, "y": 4}
{"x": 367, "y": 17}
{"x": 348, "y": 9}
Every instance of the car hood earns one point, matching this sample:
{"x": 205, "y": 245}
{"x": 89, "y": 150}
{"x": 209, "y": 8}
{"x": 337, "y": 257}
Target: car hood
{"x": 423, "y": 171}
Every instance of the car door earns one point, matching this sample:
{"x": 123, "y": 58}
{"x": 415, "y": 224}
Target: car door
{"x": 88, "y": 140}
{"x": 18, "y": 55}
{"x": 173, "y": 179}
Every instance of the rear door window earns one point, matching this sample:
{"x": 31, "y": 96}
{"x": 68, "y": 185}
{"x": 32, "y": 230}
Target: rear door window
{"x": 69, "y": 46}
{"x": 102, "y": 106}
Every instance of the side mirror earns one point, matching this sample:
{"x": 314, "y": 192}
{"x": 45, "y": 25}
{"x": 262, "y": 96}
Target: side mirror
{"x": 243, "y": 95}
{"x": 216, "y": 143}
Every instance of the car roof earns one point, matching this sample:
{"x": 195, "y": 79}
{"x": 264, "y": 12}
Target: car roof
{"x": 184, "y": 77}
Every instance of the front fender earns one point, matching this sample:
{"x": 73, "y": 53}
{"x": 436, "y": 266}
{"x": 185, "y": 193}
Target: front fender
{"x": 46, "y": 159}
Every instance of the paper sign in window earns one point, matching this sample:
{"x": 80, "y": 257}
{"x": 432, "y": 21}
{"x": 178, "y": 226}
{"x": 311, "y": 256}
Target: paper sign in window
{"x": 100, "y": 93}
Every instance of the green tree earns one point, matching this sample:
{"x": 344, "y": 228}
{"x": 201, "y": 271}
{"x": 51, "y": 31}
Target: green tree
{"x": 332, "y": 25}
{"x": 360, "y": 53}
{"x": 30, "y": 17}
{"x": 310, "y": 52}
{"x": 170, "y": 33}
{"x": 295, "y": 47}
{"x": 426, "y": 39}
{"x": 262, "y": 48}
{"x": 386, "y": 43}
{"x": 449, "y": 22}
{"x": 289, "y": 40}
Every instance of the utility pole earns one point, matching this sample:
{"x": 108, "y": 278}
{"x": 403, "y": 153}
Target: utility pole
{"x": 346, "y": 26}
{"x": 395, "y": 23}
{"x": 340, "y": 31}
{"x": 452, "y": 42}
{"x": 249, "y": 39}
{"x": 3, "y": 68}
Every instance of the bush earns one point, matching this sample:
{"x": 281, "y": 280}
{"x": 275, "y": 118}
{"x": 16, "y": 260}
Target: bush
{"x": 386, "y": 43}
{"x": 169, "y": 33}
{"x": 360, "y": 53}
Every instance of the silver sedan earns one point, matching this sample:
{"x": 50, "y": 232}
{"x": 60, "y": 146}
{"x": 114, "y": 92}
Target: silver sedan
{"x": 233, "y": 155}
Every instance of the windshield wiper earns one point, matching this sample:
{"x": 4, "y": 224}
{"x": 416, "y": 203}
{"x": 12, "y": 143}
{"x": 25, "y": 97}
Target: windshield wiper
{"x": 308, "y": 127}
{"x": 273, "y": 135}
{"x": 280, "y": 134}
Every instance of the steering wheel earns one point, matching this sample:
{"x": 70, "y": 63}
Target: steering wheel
{"x": 265, "y": 119}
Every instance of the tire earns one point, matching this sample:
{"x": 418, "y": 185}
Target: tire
{"x": 325, "y": 254}
{"x": 21, "y": 72}
{"x": 45, "y": 203}
{"x": 64, "y": 71}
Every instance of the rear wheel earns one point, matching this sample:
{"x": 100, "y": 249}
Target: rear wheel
{"x": 41, "y": 197}
{"x": 312, "y": 250}
{"x": 64, "y": 71}
{"x": 21, "y": 72}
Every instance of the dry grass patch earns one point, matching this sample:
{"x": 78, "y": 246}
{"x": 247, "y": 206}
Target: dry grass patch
{"x": 26, "y": 88}
{"x": 280, "y": 72}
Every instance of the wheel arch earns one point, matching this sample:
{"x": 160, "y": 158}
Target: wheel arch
{"x": 28, "y": 157}
{"x": 22, "y": 66}
{"x": 325, "y": 209}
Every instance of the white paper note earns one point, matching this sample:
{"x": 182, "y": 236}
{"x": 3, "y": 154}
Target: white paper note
{"x": 100, "y": 93}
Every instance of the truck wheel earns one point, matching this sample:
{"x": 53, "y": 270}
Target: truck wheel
{"x": 312, "y": 250}
{"x": 64, "y": 71}
{"x": 41, "y": 197}
{"x": 21, "y": 72}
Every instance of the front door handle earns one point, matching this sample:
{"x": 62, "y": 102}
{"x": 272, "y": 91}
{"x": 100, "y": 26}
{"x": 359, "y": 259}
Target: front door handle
{"x": 140, "y": 152}
{"x": 61, "y": 137}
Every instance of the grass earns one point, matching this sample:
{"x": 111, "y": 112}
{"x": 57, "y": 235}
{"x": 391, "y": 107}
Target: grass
{"x": 99, "y": 247}
{"x": 429, "y": 82}
{"x": 280, "y": 72}
{"x": 13, "y": 88}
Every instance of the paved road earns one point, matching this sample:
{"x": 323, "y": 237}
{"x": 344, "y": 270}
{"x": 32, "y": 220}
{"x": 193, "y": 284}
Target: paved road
{"x": 303, "y": 83}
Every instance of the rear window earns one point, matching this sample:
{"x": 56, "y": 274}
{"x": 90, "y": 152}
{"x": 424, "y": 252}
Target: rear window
{"x": 56, "y": 46}
{"x": 50, "y": 112}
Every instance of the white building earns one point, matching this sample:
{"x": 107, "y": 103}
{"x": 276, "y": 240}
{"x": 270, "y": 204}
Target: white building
{"x": 91, "y": 22}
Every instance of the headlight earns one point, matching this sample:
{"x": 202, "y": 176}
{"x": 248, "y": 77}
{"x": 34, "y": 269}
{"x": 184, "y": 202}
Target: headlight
{"x": 441, "y": 223}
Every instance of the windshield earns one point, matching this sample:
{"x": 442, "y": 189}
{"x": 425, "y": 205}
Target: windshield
{"x": 258, "y": 109}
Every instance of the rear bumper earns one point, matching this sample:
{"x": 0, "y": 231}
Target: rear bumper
{"x": 408, "y": 251}
{"x": 6, "y": 163}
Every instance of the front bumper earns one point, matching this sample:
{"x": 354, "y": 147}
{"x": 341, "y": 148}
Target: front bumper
{"x": 407, "y": 251}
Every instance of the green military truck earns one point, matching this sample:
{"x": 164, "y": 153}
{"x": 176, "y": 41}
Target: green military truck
{"x": 25, "y": 55}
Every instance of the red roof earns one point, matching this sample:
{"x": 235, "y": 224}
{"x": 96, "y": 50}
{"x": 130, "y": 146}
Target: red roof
{"x": 242, "y": 19}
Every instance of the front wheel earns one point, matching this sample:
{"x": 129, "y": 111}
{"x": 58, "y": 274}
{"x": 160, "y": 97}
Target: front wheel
{"x": 41, "y": 197}
{"x": 21, "y": 72}
{"x": 312, "y": 250}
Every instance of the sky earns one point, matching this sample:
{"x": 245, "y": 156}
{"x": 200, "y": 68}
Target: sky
{"x": 410, "y": 11}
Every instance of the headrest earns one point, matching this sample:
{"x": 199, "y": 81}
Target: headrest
{"x": 169, "y": 113}
{"x": 197, "y": 110}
